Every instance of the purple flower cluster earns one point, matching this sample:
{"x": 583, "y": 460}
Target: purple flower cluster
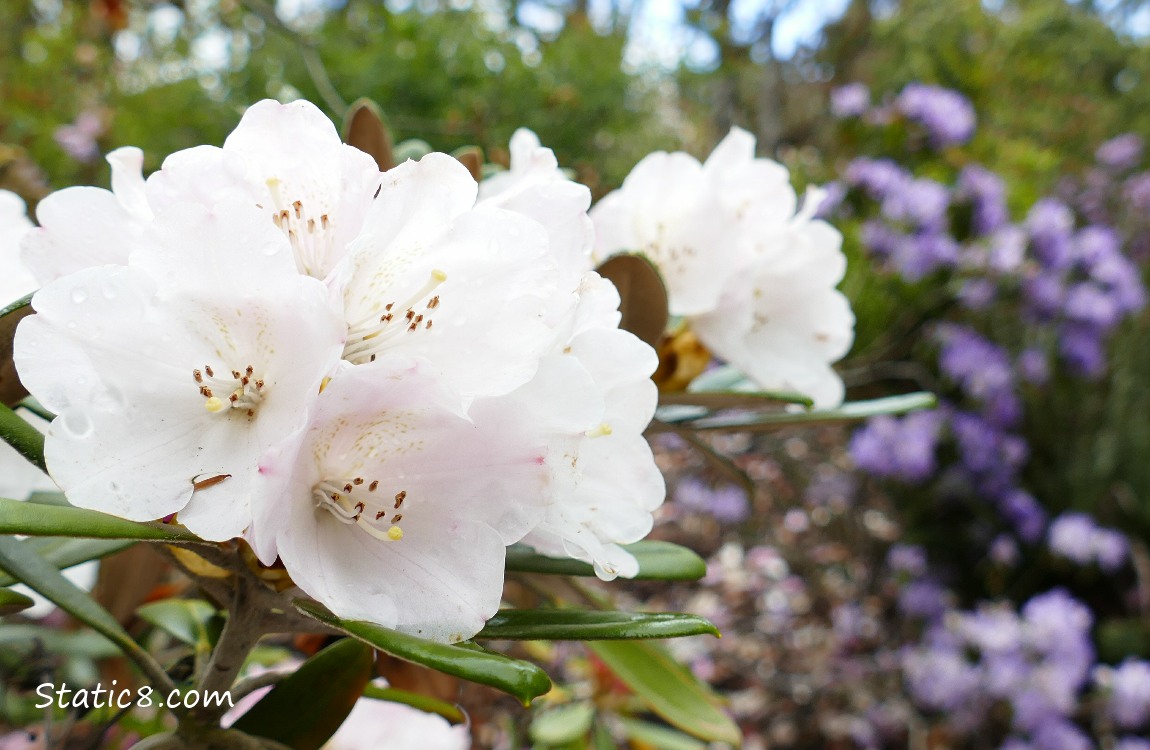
{"x": 947, "y": 116}
{"x": 851, "y": 100}
{"x": 726, "y": 502}
{"x": 1037, "y": 662}
{"x": 1078, "y": 538}
{"x": 902, "y": 449}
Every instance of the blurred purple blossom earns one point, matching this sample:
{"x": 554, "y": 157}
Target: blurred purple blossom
{"x": 898, "y": 448}
{"x": 947, "y": 115}
{"x": 1033, "y": 366}
{"x": 1051, "y": 225}
{"x": 1121, "y": 152}
{"x": 726, "y": 502}
{"x": 986, "y": 193}
{"x": 79, "y": 138}
{"x": 1078, "y": 538}
{"x": 1129, "y": 697}
{"x": 850, "y": 100}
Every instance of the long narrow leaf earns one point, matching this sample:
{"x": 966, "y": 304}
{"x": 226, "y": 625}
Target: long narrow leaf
{"x": 12, "y": 602}
{"x": 64, "y": 552}
{"x": 26, "y": 439}
{"x": 733, "y": 399}
{"x": 521, "y": 679}
{"x": 658, "y": 561}
{"x": 31, "y": 519}
{"x": 584, "y": 625}
{"x": 668, "y": 689}
{"x": 850, "y": 412}
{"x": 449, "y": 711}
{"x": 21, "y": 561}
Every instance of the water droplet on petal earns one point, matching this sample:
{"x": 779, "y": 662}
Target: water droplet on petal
{"x": 79, "y": 294}
{"x": 77, "y": 424}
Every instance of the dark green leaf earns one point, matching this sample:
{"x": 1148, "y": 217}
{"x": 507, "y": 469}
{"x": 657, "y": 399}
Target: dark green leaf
{"x": 658, "y": 737}
{"x": 850, "y": 412}
{"x": 31, "y": 519}
{"x": 79, "y": 643}
{"x": 660, "y": 561}
{"x": 11, "y": 390}
{"x": 64, "y": 552}
{"x": 449, "y": 711}
{"x": 562, "y": 725}
{"x": 364, "y": 129}
{"x": 642, "y": 293}
{"x": 582, "y": 625}
{"x": 26, "y": 439}
{"x": 668, "y": 689}
{"x": 519, "y": 678}
{"x": 733, "y": 399}
{"x": 12, "y": 602}
{"x": 186, "y": 620}
{"x": 305, "y": 709}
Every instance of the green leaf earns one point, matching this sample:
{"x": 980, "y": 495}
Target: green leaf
{"x": 26, "y": 439}
{"x": 64, "y": 552}
{"x": 521, "y": 679}
{"x": 658, "y": 561}
{"x": 642, "y": 295}
{"x": 584, "y": 625}
{"x": 449, "y": 711}
{"x": 79, "y": 643}
{"x": 187, "y": 620}
{"x": 658, "y": 737}
{"x": 562, "y": 725}
{"x": 733, "y": 399}
{"x": 21, "y": 561}
{"x": 305, "y": 709}
{"x": 850, "y": 412}
{"x": 32, "y": 519}
{"x": 12, "y": 602}
{"x": 11, "y": 389}
{"x": 721, "y": 378}
{"x": 668, "y": 689}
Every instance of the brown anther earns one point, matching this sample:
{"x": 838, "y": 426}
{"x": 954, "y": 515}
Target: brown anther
{"x": 335, "y": 497}
{"x": 360, "y": 508}
{"x": 427, "y": 325}
{"x": 251, "y": 412}
{"x": 285, "y": 215}
{"x": 236, "y": 374}
{"x": 245, "y": 380}
{"x": 323, "y": 221}
{"x": 197, "y": 376}
{"x": 208, "y": 370}
{"x": 398, "y": 518}
{"x": 298, "y": 206}
{"x": 347, "y": 487}
{"x": 413, "y": 326}
{"x": 233, "y": 398}
{"x": 311, "y": 226}
{"x": 372, "y": 358}
{"x": 388, "y": 306}
{"x": 357, "y": 481}
{"x": 380, "y": 514}
{"x": 291, "y": 234}
{"x": 259, "y": 384}
{"x": 410, "y": 314}
{"x": 433, "y": 302}
{"x": 399, "y": 498}
{"x": 205, "y": 391}
{"x": 250, "y": 370}
{"x": 371, "y": 487}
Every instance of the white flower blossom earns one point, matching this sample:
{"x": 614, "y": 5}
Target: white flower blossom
{"x": 754, "y": 277}
{"x": 15, "y": 279}
{"x": 383, "y": 725}
{"x": 186, "y": 364}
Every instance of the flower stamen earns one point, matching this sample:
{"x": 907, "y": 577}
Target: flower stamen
{"x": 346, "y": 502}
{"x": 245, "y": 391}
{"x": 369, "y": 337}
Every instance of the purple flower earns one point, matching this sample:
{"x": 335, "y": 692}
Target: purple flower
{"x": 907, "y": 558}
{"x": 1129, "y": 700}
{"x": 1007, "y": 249}
{"x": 977, "y": 294}
{"x": 1071, "y": 535}
{"x": 878, "y": 177}
{"x": 1025, "y": 514}
{"x": 1057, "y": 622}
{"x": 1051, "y": 224}
{"x": 1121, "y": 152}
{"x": 1044, "y": 293}
{"x": 1111, "y": 549}
{"x": 850, "y": 100}
{"x": 1004, "y": 550}
{"x": 921, "y": 203}
{"x": 1082, "y": 350}
{"x": 916, "y": 256}
{"x": 923, "y": 599}
{"x": 940, "y": 679}
{"x": 1132, "y": 743}
{"x": 987, "y": 194}
{"x": 1032, "y": 366}
{"x": 1060, "y": 735}
{"x": 727, "y": 503}
{"x": 898, "y": 448}
{"x": 947, "y": 116}
{"x": 79, "y": 138}
{"x": 1087, "y": 303}
{"x": 1136, "y": 191}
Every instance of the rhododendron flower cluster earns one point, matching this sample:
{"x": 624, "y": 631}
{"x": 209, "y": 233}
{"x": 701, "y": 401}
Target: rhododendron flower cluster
{"x": 751, "y": 270}
{"x": 374, "y": 378}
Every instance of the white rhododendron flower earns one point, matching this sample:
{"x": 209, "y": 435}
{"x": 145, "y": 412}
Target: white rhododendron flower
{"x": 384, "y": 725}
{"x": 15, "y": 278}
{"x": 753, "y": 276}
{"x": 82, "y": 227}
{"x": 186, "y": 364}
{"x": 398, "y": 507}
{"x": 378, "y": 379}
{"x": 608, "y": 488}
